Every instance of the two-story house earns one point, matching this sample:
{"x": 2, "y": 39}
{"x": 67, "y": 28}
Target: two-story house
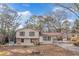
{"x": 26, "y": 36}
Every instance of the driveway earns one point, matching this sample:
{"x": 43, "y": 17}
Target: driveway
{"x": 68, "y": 46}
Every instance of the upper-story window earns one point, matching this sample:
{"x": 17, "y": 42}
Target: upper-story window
{"x": 46, "y": 38}
{"x": 31, "y": 33}
{"x": 22, "y": 33}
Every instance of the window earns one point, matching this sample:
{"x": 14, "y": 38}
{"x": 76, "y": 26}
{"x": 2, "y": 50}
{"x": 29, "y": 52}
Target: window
{"x": 22, "y": 40}
{"x": 46, "y": 38}
{"x": 22, "y": 33}
{"x": 31, "y": 33}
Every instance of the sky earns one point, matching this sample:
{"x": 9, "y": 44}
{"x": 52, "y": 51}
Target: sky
{"x": 28, "y": 9}
{"x": 34, "y": 8}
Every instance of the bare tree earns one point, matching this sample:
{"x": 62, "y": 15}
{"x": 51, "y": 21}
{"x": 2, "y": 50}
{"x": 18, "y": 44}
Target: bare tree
{"x": 55, "y": 19}
{"x": 8, "y": 21}
{"x": 74, "y": 9}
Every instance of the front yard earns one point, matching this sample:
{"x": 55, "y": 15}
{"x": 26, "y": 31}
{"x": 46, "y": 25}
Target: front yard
{"x": 45, "y": 50}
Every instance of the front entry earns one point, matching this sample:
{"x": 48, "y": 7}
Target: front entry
{"x": 35, "y": 41}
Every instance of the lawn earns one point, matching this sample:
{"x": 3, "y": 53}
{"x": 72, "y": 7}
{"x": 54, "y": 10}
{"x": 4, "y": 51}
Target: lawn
{"x": 44, "y": 50}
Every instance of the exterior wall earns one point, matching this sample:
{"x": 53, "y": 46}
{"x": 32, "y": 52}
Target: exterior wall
{"x": 36, "y": 36}
{"x": 26, "y": 42}
{"x": 45, "y": 42}
{"x": 54, "y": 39}
{"x": 18, "y": 41}
{"x": 27, "y": 34}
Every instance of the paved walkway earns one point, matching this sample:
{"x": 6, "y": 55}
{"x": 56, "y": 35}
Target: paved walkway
{"x": 70, "y": 47}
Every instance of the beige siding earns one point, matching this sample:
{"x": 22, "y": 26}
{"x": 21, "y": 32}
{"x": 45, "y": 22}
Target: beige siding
{"x": 27, "y": 34}
{"x": 18, "y": 41}
{"x": 27, "y": 38}
{"x": 45, "y": 42}
{"x": 54, "y": 39}
{"x": 26, "y": 42}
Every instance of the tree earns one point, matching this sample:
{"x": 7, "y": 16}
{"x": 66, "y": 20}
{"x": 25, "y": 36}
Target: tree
{"x": 76, "y": 24}
{"x": 35, "y": 22}
{"x": 55, "y": 19}
{"x": 66, "y": 25}
{"x": 74, "y": 8}
{"x": 8, "y": 21}
{"x": 51, "y": 22}
{"x": 30, "y": 22}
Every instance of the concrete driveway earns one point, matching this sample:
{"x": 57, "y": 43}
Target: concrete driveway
{"x": 68, "y": 46}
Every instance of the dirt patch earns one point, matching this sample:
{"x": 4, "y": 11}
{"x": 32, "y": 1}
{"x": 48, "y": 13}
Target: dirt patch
{"x": 45, "y": 50}
{"x": 4, "y": 53}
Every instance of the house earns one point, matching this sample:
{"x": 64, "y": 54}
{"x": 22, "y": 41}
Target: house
{"x": 49, "y": 37}
{"x": 26, "y": 36}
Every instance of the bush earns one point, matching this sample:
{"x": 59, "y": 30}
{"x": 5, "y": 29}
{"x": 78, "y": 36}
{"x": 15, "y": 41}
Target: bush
{"x": 2, "y": 43}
